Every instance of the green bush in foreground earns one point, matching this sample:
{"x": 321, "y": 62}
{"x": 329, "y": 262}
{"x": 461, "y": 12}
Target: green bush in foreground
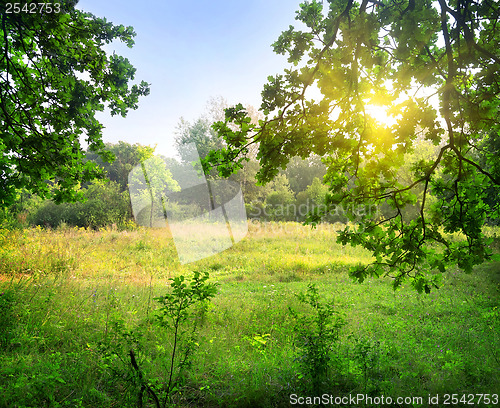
{"x": 177, "y": 314}
{"x": 317, "y": 336}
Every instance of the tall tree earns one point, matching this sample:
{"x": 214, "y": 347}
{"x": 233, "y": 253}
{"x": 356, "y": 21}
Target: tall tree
{"x": 302, "y": 172}
{"x": 126, "y": 157}
{"x": 149, "y": 186}
{"x": 54, "y": 76}
{"x": 198, "y": 135}
{"x": 391, "y": 54}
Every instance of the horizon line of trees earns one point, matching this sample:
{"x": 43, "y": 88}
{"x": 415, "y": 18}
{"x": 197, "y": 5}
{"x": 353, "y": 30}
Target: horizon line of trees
{"x": 292, "y": 195}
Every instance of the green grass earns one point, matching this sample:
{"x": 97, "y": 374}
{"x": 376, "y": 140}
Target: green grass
{"x": 68, "y": 287}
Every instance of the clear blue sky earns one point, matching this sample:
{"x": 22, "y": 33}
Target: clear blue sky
{"x": 190, "y": 51}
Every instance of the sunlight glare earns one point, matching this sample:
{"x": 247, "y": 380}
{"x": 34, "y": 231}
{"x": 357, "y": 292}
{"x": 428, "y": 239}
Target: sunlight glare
{"x": 379, "y": 113}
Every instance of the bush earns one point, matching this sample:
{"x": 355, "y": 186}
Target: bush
{"x": 104, "y": 205}
{"x": 317, "y": 339}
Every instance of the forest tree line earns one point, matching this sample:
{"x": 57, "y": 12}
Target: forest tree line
{"x": 291, "y": 196}
{"x": 297, "y": 191}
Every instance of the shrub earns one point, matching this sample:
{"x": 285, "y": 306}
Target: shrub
{"x": 175, "y": 310}
{"x": 104, "y": 205}
{"x": 316, "y": 337}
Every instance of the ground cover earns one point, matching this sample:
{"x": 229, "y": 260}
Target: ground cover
{"x": 75, "y": 302}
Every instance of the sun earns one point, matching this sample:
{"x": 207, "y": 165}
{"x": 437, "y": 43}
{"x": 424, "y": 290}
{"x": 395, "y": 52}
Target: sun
{"x": 380, "y": 114}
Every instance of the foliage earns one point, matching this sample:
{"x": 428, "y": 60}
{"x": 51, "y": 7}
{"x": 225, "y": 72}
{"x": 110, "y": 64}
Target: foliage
{"x": 119, "y": 349}
{"x": 199, "y": 133}
{"x": 8, "y": 218}
{"x": 316, "y": 337}
{"x": 279, "y": 197}
{"x": 52, "y": 86}
{"x": 316, "y": 192}
{"x": 126, "y": 157}
{"x": 174, "y": 312}
{"x": 488, "y": 159}
{"x": 393, "y": 55}
{"x": 104, "y": 204}
{"x": 149, "y": 185}
{"x": 302, "y": 172}
{"x": 366, "y": 354}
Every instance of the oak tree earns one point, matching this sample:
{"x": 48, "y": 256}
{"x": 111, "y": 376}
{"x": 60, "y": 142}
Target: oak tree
{"x": 433, "y": 66}
{"x": 54, "y": 76}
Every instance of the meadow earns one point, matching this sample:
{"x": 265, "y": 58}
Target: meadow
{"x": 75, "y": 302}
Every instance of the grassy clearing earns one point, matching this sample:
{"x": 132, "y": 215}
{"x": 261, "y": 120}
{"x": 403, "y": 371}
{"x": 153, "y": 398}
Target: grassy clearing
{"x": 68, "y": 292}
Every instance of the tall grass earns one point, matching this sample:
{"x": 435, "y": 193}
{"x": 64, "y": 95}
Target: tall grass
{"x": 65, "y": 292}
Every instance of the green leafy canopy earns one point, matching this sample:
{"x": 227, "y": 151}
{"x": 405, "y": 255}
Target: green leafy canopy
{"x": 402, "y": 56}
{"x": 54, "y": 77}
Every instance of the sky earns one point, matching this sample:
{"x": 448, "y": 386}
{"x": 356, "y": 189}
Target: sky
{"x": 191, "y": 51}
